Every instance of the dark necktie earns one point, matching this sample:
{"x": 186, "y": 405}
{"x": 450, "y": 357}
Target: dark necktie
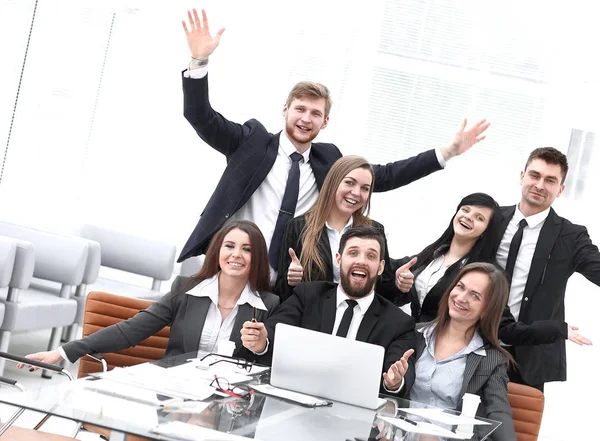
{"x": 515, "y": 244}
{"x": 346, "y": 319}
{"x": 288, "y": 207}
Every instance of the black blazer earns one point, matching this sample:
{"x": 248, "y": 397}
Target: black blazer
{"x": 562, "y": 249}
{"x": 186, "y": 315}
{"x": 313, "y": 306}
{"x": 292, "y": 239}
{"x": 250, "y": 151}
{"x": 487, "y": 377}
{"x": 429, "y": 309}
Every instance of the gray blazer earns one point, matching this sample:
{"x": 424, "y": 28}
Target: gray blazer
{"x": 186, "y": 315}
{"x": 487, "y": 377}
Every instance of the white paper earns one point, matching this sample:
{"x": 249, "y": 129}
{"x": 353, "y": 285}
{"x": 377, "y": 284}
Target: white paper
{"x": 424, "y": 428}
{"x": 194, "y": 372}
{"x": 183, "y": 431}
{"x": 296, "y": 397}
{"x": 186, "y": 384}
{"x": 126, "y": 392}
{"x": 443, "y": 417}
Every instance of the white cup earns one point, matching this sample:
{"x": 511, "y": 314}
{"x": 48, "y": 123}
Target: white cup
{"x": 470, "y": 403}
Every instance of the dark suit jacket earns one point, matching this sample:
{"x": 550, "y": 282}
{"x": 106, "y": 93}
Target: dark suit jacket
{"x": 186, "y": 315}
{"x": 313, "y": 306}
{"x": 562, "y": 249}
{"x": 292, "y": 239}
{"x": 251, "y": 150}
{"x": 429, "y": 309}
{"x": 487, "y": 377}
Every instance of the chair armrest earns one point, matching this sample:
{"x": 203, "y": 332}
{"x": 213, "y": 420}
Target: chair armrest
{"x": 8, "y": 252}
{"x": 99, "y": 358}
{"x": 12, "y": 383}
{"x": 38, "y": 364}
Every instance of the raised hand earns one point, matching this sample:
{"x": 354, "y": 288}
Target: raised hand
{"x": 577, "y": 338}
{"x": 254, "y": 336}
{"x": 393, "y": 377}
{"x": 465, "y": 138}
{"x": 295, "y": 271}
{"x": 404, "y": 278}
{"x": 200, "y": 42}
{"x": 51, "y": 357}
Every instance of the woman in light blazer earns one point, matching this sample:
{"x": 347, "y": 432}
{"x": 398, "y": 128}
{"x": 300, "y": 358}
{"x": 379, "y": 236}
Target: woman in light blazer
{"x": 203, "y": 310}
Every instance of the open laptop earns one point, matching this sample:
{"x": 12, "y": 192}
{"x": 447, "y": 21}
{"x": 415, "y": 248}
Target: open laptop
{"x": 327, "y": 366}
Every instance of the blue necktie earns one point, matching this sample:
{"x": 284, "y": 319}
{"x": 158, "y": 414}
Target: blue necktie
{"x": 287, "y": 210}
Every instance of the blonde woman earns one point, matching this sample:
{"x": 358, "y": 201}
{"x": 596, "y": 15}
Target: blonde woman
{"x": 311, "y": 241}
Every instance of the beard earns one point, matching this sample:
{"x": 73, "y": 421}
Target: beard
{"x": 357, "y": 292}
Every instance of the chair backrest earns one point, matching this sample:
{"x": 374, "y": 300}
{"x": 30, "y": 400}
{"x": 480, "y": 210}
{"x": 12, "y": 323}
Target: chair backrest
{"x": 104, "y": 309}
{"x": 527, "y": 405}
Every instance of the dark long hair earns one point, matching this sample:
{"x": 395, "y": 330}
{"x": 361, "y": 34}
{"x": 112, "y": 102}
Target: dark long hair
{"x": 483, "y": 250}
{"x": 259, "y": 268}
{"x": 496, "y": 298}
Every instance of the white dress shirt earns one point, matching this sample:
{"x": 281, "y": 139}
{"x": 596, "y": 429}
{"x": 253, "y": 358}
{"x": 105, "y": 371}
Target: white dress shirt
{"x": 334, "y": 237}
{"x": 359, "y": 312}
{"x": 214, "y": 331}
{"x": 430, "y": 276}
{"x": 531, "y": 233}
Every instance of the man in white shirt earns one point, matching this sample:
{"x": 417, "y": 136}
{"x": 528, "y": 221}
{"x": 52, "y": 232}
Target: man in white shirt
{"x": 540, "y": 251}
{"x": 271, "y": 178}
{"x": 351, "y": 309}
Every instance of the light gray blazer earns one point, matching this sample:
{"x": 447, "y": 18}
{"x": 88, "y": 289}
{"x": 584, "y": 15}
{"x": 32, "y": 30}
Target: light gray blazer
{"x": 186, "y": 315}
{"x": 487, "y": 377}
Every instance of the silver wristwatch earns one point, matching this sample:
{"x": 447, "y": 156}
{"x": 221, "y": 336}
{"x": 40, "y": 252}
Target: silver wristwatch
{"x": 198, "y": 63}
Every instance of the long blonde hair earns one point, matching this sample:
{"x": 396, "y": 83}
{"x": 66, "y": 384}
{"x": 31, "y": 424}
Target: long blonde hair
{"x": 318, "y": 214}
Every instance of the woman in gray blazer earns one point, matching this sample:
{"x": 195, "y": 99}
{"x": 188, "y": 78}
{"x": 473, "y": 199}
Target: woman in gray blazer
{"x": 459, "y": 351}
{"x": 204, "y": 310}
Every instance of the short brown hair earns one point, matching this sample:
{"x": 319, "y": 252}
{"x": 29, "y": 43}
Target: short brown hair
{"x": 310, "y": 89}
{"x": 551, "y": 156}
{"x": 363, "y": 232}
{"x": 259, "y": 268}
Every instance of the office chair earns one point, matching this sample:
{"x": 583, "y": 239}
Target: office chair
{"x": 527, "y": 405}
{"x": 103, "y": 310}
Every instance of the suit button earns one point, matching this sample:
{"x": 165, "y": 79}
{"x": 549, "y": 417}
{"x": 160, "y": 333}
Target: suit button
{"x": 526, "y": 299}
{"x": 227, "y": 216}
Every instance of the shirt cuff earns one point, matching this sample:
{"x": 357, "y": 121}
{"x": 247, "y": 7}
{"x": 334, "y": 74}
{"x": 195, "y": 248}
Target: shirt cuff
{"x": 394, "y": 391}
{"x": 440, "y": 157}
{"x": 197, "y": 74}
{"x": 263, "y": 352}
{"x": 62, "y": 353}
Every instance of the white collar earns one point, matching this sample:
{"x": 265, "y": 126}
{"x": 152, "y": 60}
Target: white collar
{"x": 346, "y": 227}
{"x": 363, "y": 304}
{"x": 534, "y": 220}
{"x": 289, "y": 148}
{"x": 210, "y": 288}
{"x": 475, "y": 345}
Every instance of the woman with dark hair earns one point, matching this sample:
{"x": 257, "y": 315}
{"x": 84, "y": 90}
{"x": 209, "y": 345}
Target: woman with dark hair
{"x": 203, "y": 310}
{"x": 459, "y": 351}
{"x": 311, "y": 241}
{"x": 468, "y": 238}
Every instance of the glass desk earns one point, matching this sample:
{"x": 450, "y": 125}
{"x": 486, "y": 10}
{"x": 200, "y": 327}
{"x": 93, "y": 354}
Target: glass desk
{"x": 262, "y": 417}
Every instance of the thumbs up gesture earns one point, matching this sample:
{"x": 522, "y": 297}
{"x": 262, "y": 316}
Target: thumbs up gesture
{"x": 404, "y": 278}
{"x": 295, "y": 272}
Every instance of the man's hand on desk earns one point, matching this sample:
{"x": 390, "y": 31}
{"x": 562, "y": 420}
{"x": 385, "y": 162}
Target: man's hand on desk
{"x": 254, "y": 336}
{"x": 51, "y": 357}
{"x": 392, "y": 379}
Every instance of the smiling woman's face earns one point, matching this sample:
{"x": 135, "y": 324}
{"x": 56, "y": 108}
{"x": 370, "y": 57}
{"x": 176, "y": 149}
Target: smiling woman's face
{"x": 471, "y": 221}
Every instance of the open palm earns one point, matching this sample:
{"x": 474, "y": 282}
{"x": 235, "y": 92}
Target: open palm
{"x": 200, "y": 42}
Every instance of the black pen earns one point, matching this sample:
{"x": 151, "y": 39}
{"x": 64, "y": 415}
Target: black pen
{"x": 403, "y": 418}
{"x": 254, "y": 314}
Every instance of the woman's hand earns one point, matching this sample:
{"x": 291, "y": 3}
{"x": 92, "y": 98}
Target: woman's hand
{"x": 51, "y": 357}
{"x": 295, "y": 271}
{"x": 404, "y": 278}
